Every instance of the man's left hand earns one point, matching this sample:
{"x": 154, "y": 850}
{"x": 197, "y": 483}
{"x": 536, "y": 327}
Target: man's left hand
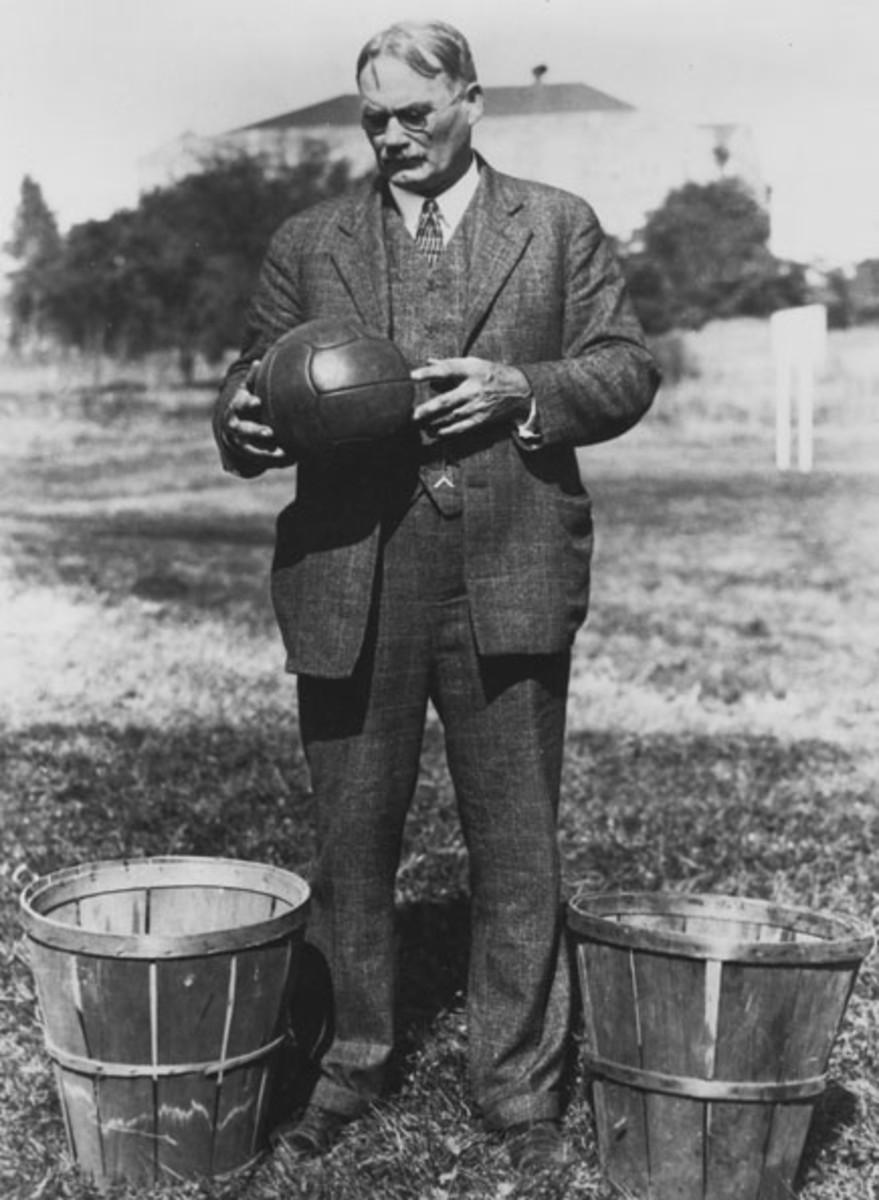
{"x": 474, "y": 392}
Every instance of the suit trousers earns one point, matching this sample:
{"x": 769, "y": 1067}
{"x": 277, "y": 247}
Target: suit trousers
{"x": 503, "y": 721}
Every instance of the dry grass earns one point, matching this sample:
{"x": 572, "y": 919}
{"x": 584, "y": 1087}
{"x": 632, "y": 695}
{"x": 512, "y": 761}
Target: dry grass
{"x": 722, "y": 733}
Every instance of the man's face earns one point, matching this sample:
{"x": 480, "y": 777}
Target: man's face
{"x": 419, "y": 128}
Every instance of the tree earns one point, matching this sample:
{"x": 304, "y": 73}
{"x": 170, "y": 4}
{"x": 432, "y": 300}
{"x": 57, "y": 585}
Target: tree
{"x": 177, "y": 272}
{"x": 704, "y": 254}
{"x": 34, "y": 245}
{"x": 211, "y": 231}
{"x": 97, "y": 298}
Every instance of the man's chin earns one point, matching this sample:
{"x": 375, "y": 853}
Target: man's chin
{"x": 405, "y": 175}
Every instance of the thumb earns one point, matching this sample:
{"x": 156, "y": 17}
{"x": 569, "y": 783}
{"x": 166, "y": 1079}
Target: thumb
{"x": 252, "y": 372}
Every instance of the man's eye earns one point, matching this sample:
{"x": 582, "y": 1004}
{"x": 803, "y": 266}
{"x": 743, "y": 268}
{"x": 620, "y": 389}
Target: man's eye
{"x": 413, "y": 114}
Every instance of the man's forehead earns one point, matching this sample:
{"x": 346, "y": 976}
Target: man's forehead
{"x": 388, "y": 77}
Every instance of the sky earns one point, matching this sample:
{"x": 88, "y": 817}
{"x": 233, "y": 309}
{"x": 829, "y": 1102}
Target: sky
{"x": 88, "y": 87}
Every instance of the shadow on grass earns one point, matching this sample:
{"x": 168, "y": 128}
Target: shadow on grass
{"x": 432, "y": 952}
{"x": 747, "y": 815}
{"x": 835, "y": 1111}
{"x": 434, "y": 938}
{"x": 76, "y": 794}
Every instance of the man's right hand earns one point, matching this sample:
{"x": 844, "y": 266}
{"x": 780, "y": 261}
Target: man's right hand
{"x": 245, "y": 433}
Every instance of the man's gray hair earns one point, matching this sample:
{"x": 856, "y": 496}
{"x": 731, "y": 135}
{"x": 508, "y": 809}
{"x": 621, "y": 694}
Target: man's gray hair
{"x": 429, "y": 48}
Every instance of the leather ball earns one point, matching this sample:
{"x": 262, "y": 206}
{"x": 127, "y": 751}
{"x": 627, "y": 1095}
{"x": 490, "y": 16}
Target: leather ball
{"x": 330, "y": 384}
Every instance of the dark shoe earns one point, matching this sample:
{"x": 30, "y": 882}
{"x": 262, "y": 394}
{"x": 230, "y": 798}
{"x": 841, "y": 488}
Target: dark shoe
{"x": 537, "y": 1146}
{"x": 313, "y": 1135}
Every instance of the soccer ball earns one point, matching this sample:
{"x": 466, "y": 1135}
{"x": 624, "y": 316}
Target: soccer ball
{"x": 330, "y": 384}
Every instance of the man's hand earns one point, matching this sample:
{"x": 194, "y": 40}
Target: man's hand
{"x": 474, "y": 392}
{"x": 244, "y": 431}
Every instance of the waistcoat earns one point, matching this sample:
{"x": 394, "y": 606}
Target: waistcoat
{"x": 428, "y": 307}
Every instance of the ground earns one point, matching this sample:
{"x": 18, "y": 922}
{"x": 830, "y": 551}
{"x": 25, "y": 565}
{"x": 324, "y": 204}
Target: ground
{"x": 721, "y": 735}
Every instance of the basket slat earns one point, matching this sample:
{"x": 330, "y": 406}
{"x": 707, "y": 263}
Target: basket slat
{"x": 239, "y": 1118}
{"x": 79, "y": 1099}
{"x": 185, "y": 1111}
{"x": 115, "y": 1018}
{"x": 674, "y": 1038}
{"x": 191, "y": 1008}
{"x": 128, "y": 1128}
{"x": 178, "y": 910}
{"x": 734, "y": 1159}
{"x": 790, "y": 1126}
{"x": 57, "y": 984}
{"x": 821, "y": 1000}
{"x": 263, "y": 979}
{"x": 113, "y": 912}
{"x": 612, "y": 1020}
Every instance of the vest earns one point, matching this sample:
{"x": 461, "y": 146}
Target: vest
{"x": 428, "y": 305}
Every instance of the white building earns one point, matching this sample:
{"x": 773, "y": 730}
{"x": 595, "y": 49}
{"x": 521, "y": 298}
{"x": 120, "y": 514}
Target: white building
{"x": 624, "y": 161}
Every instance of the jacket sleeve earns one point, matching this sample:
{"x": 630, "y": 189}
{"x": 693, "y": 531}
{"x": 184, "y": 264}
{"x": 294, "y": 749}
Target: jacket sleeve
{"x": 606, "y": 378}
{"x": 275, "y": 308}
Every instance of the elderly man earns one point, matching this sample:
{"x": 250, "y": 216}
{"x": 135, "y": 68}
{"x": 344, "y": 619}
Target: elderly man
{"x": 453, "y": 567}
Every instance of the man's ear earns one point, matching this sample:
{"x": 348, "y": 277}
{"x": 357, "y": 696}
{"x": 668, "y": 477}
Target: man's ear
{"x": 475, "y": 102}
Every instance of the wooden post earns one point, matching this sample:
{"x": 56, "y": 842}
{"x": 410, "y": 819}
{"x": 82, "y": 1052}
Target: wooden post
{"x": 799, "y": 345}
{"x": 782, "y": 412}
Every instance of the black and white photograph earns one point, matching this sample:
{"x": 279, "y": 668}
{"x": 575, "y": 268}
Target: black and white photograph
{"x": 439, "y": 600}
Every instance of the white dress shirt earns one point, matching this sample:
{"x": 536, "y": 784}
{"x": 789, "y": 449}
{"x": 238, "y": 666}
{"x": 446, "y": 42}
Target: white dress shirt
{"x": 452, "y": 203}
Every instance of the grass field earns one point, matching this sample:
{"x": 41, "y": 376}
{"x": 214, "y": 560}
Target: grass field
{"x": 722, "y": 727}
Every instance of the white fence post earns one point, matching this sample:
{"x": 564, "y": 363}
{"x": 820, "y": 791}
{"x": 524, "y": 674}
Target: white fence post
{"x": 799, "y": 346}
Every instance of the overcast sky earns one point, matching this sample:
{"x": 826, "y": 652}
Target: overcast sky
{"x": 87, "y": 87}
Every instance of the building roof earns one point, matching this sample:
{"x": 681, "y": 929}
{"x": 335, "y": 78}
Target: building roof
{"x": 499, "y": 102}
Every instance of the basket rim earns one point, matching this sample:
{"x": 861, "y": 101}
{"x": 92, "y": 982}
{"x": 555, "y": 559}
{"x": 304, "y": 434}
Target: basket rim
{"x": 168, "y": 871}
{"x": 838, "y": 938}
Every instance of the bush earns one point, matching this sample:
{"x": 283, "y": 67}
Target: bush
{"x": 704, "y": 254}
{"x": 674, "y": 357}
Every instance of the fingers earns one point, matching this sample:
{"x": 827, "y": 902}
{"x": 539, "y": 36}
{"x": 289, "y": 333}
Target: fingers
{"x": 459, "y": 405}
{"x": 266, "y": 453}
{"x": 245, "y": 429}
{"x": 437, "y": 411}
{"x": 447, "y": 368}
{"x": 457, "y": 377}
{"x": 243, "y": 417}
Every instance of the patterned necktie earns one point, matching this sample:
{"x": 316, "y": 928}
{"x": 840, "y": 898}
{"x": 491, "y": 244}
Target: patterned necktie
{"x": 429, "y": 235}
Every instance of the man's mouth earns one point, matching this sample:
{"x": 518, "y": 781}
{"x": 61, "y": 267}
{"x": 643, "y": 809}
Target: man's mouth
{"x": 403, "y": 163}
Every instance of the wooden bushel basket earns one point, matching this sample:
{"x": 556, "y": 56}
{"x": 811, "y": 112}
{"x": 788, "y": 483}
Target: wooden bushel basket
{"x": 163, "y": 986}
{"x": 709, "y": 1022}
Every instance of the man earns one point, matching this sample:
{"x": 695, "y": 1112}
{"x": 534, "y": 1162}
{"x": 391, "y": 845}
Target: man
{"x": 453, "y": 567}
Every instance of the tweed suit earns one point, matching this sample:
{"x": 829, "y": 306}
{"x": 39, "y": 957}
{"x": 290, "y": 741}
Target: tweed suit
{"x": 384, "y": 604}
{"x": 548, "y": 296}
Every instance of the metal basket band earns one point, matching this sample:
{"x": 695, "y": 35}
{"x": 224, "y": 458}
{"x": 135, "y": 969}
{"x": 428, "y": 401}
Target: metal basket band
{"x": 706, "y": 1089}
{"x": 118, "y": 1070}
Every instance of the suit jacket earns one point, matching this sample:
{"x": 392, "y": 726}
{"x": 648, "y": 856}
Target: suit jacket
{"x": 545, "y": 294}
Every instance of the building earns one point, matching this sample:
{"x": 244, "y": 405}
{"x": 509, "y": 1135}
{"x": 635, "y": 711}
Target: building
{"x": 623, "y": 160}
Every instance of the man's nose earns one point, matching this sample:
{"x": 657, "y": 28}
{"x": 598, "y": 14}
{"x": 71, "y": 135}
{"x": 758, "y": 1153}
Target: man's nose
{"x": 395, "y": 134}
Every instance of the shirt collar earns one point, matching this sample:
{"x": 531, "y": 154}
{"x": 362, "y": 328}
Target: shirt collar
{"x": 452, "y": 203}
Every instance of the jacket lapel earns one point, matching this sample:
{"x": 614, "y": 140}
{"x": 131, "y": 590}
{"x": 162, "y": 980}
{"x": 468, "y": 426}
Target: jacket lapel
{"x": 502, "y": 233}
{"x": 360, "y": 258}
